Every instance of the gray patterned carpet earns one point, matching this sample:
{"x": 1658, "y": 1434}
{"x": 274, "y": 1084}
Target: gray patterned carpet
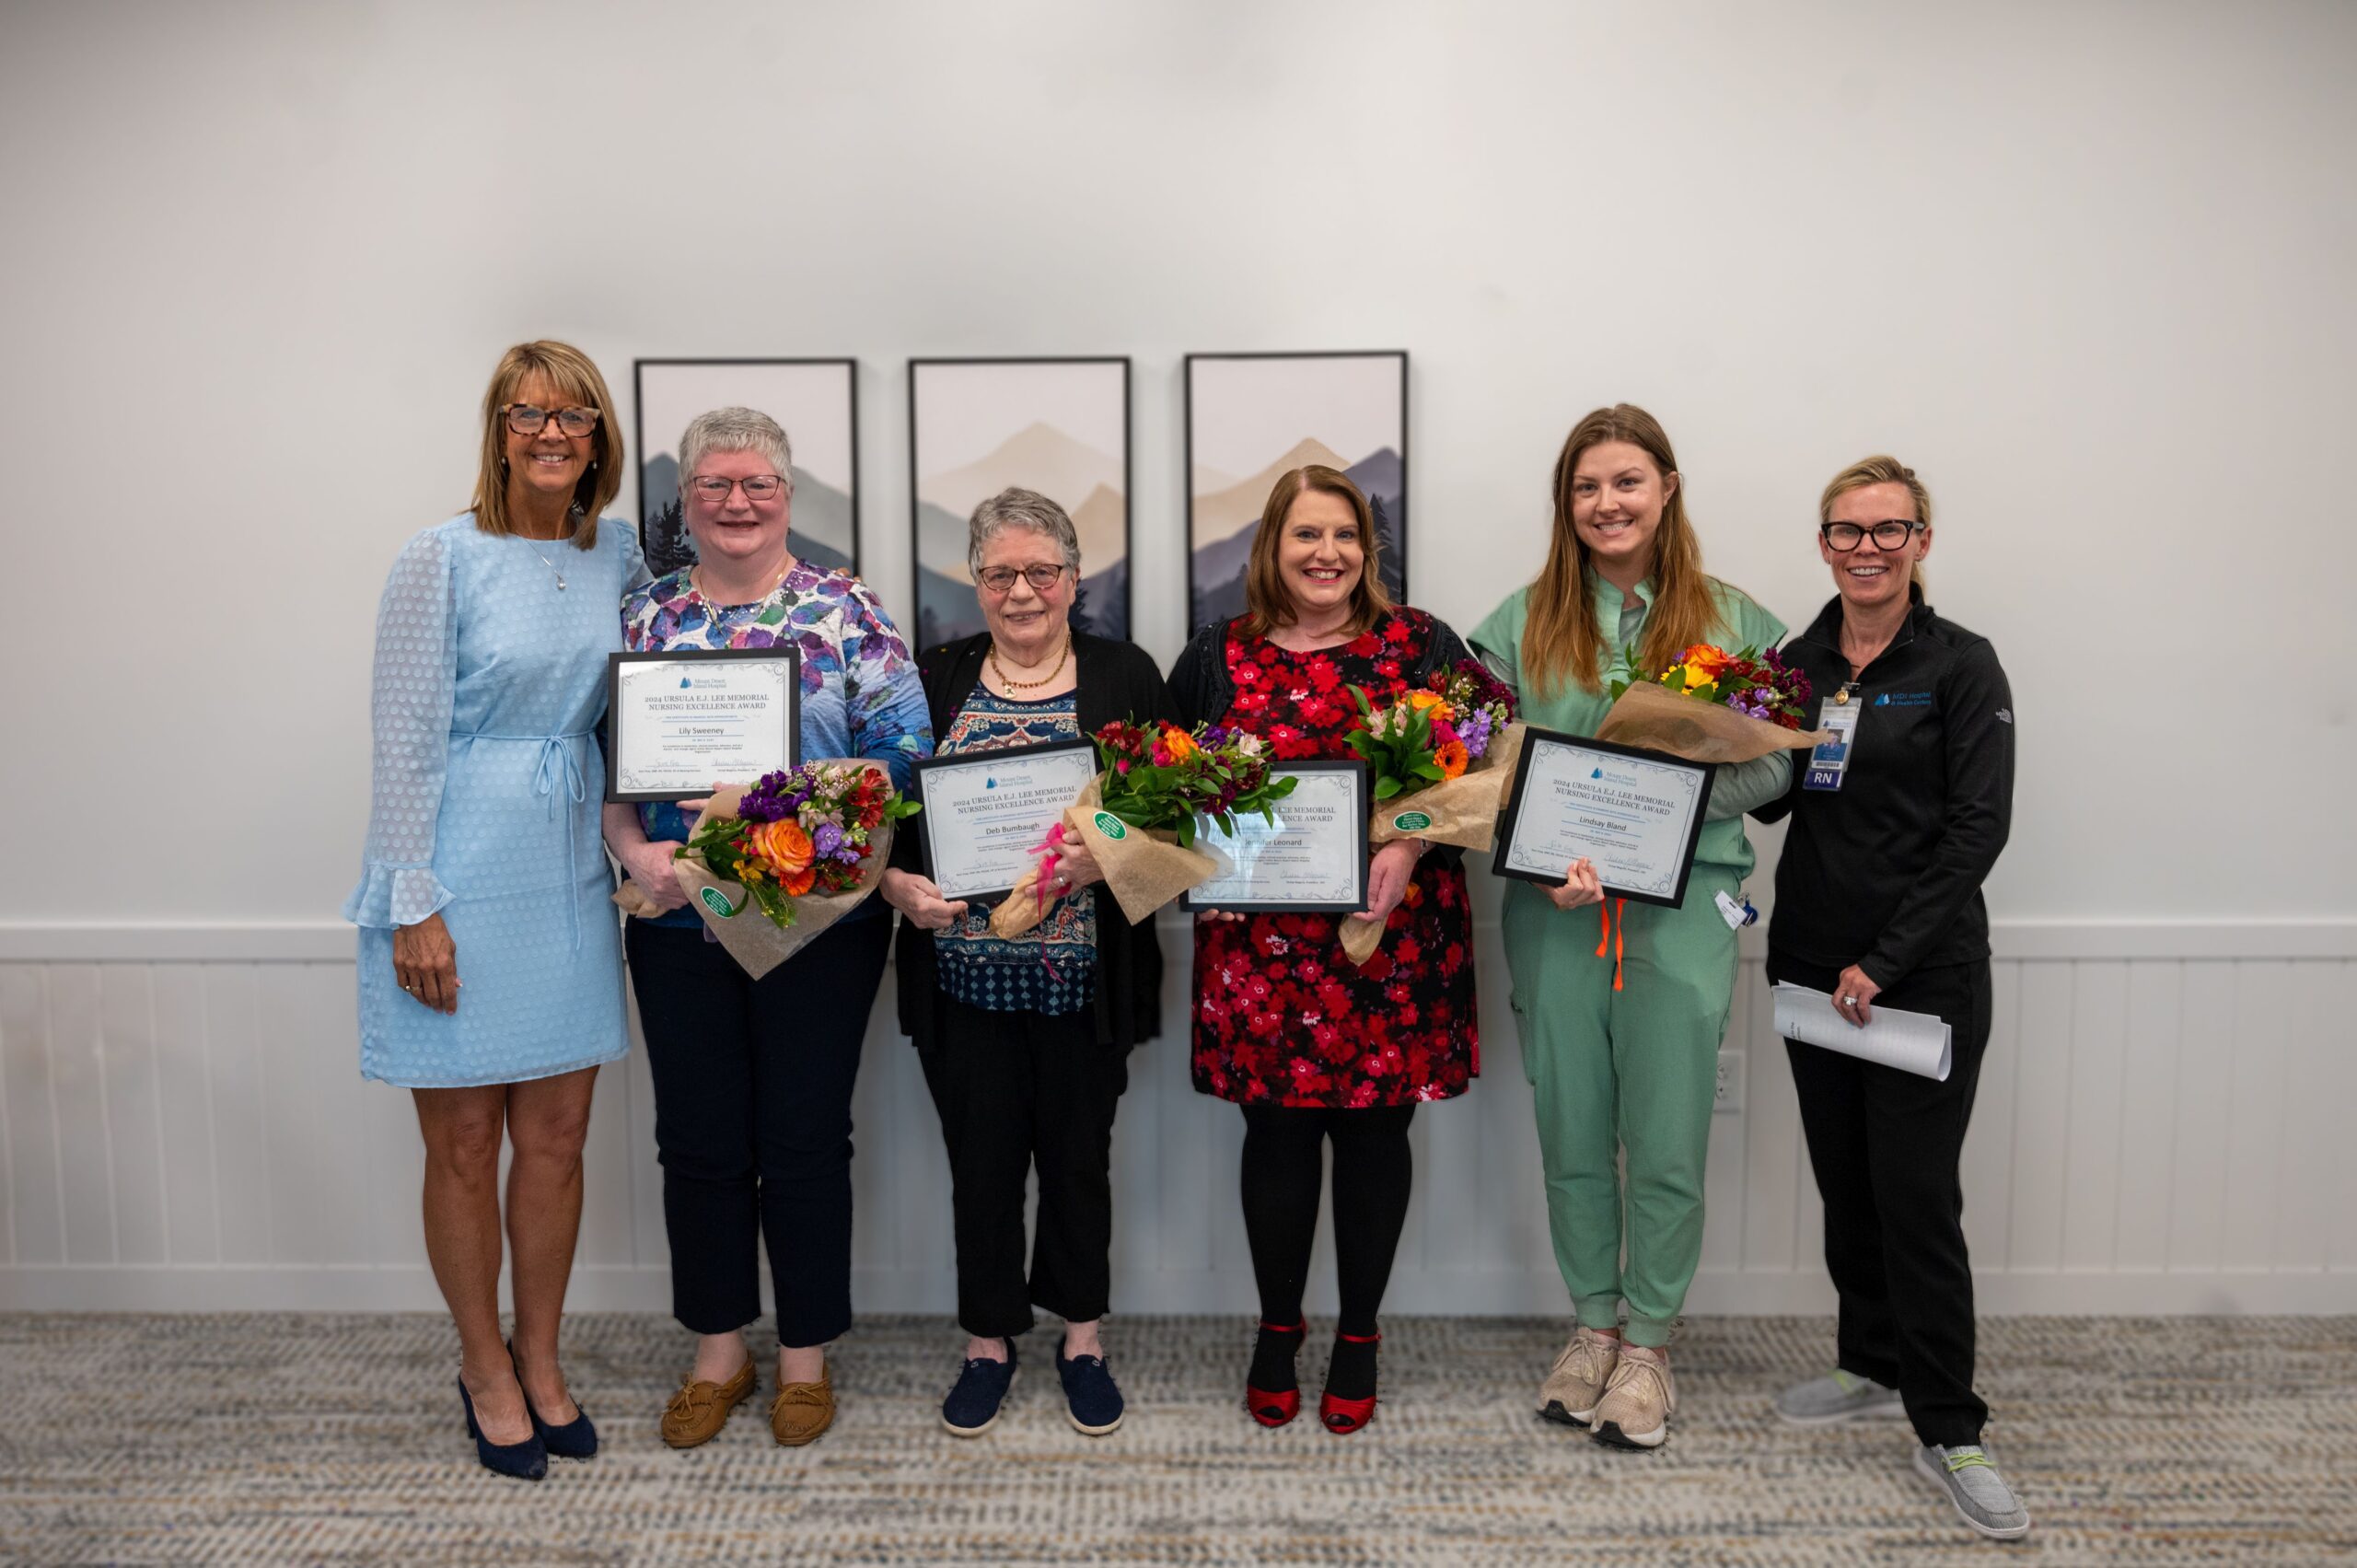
{"x": 338, "y": 1439}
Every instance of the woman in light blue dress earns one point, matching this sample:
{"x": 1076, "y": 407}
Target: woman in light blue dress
{"x": 490, "y": 980}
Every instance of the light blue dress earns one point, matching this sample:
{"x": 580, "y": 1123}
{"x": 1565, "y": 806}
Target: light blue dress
{"x": 490, "y": 681}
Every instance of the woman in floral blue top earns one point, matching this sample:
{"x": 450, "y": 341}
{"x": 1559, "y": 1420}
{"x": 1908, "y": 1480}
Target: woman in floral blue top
{"x": 754, "y": 1079}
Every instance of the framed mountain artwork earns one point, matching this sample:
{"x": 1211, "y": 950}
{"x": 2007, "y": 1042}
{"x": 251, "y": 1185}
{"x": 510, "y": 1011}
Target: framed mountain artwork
{"x": 1251, "y": 418}
{"x": 812, "y": 398}
{"x": 1059, "y": 426}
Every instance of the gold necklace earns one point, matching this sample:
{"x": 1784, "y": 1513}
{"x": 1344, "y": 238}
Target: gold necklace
{"x": 715, "y": 606}
{"x": 1000, "y": 670}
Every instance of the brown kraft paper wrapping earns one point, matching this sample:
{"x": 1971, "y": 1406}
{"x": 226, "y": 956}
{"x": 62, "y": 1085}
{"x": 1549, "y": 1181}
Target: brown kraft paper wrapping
{"x": 1145, "y": 868}
{"x": 1658, "y": 719}
{"x": 1462, "y": 811}
{"x": 755, "y": 944}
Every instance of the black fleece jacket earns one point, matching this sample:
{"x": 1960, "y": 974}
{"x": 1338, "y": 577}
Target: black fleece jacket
{"x": 1886, "y": 871}
{"x": 1117, "y": 680}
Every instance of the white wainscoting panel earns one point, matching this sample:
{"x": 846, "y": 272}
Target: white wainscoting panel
{"x": 2162, "y": 1126}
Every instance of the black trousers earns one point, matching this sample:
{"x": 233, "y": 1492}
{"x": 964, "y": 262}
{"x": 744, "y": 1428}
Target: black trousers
{"x": 752, "y": 1120}
{"x": 1884, "y": 1145}
{"x": 1018, "y": 1091}
{"x": 1283, "y": 1170}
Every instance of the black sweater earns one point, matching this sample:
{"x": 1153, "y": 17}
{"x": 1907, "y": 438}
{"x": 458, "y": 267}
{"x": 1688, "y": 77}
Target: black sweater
{"x": 1117, "y": 680}
{"x": 1886, "y": 871}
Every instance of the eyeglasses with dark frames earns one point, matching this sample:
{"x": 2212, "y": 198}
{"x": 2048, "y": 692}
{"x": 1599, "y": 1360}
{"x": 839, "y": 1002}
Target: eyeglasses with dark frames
{"x": 529, "y": 418}
{"x": 760, "y": 487}
{"x": 1889, "y": 534}
{"x": 1001, "y": 579}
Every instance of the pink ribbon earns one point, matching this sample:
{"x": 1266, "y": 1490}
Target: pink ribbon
{"x": 1046, "y": 849}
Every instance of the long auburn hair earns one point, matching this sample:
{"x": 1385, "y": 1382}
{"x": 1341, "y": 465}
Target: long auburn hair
{"x": 1267, "y": 605}
{"x": 1880, "y": 469}
{"x": 574, "y": 375}
{"x": 1561, "y": 637}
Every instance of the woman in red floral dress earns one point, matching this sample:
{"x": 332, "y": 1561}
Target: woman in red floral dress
{"x": 1311, "y": 1046}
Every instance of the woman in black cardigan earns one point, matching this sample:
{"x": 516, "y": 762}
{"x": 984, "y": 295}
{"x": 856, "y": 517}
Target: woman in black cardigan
{"x": 1025, "y": 1043}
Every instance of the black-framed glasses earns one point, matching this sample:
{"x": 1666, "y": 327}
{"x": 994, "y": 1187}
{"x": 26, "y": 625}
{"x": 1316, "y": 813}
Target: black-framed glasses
{"x": 713, "y": 490}
{"x": 1889, "y": 534}
{"x": 530, "y": 419}
{"x": 1001, "y": 579}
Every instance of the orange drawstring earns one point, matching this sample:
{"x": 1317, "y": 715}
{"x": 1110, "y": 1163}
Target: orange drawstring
{"x": 1613, "y": 935}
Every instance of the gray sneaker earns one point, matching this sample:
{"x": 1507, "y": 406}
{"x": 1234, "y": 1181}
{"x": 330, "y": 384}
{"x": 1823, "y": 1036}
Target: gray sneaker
{"x": 1970, "y": 1479}
{"x": 1835, "y": 1398}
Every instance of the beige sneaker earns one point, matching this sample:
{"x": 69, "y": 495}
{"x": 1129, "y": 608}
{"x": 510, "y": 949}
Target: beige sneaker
{"x": 1576, "y": 1381}
{"x": 1634, "y": 1412}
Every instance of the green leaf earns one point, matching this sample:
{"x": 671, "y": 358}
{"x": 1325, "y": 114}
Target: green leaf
{"x": 1385, "y": 787}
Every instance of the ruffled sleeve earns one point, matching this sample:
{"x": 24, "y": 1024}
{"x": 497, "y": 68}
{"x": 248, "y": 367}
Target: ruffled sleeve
{"x": 414, "y": 685}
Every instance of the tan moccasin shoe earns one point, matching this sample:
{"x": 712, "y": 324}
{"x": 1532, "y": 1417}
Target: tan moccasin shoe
{"x": 1634, "y": 1412}
{"x": 802, "y": 1410}
{"x": 700, "y": 1410}
{"x": 1576, "y": 1381}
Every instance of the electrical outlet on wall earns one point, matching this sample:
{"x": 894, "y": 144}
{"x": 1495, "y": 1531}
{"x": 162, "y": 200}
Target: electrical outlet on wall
{"x": 1727, "y": 1100}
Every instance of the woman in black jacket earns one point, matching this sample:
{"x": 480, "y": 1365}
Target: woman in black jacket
{"x": 1025, "y": 1043}
{"x": 1896, "y": 824}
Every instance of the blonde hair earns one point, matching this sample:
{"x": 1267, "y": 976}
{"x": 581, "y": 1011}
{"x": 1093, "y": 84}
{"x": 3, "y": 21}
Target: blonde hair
{"x": 1267, "y": 605}
{"x": 572, "y": 375}
{"x": 1880, "y": 469}
{"x": 1561, "y": 634}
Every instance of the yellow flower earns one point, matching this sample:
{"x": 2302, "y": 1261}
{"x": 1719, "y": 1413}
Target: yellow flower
{"x": 1428, "y": 700}
{"x": 1697, "y": 676}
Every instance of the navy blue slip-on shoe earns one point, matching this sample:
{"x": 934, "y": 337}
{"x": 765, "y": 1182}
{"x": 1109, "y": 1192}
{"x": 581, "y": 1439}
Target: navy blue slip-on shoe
{"x": 1092, "y": 1401}
{"x": 576, "y": 1439}
{"x": 527, "y": 1460}
{"x": 973, "y": 1403}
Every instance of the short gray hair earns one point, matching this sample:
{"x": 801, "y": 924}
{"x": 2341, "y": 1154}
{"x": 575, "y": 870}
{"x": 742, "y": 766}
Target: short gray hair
{"x": 1017, "y": 509}
{"x": 736, "y": 430}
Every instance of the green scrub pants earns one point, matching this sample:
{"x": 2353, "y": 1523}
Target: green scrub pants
{"x": 1632, "y": 1068}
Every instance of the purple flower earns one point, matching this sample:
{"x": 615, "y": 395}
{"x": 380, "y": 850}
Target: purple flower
{"x": 1473, "y": 728}
{"x": 828, "y": 839}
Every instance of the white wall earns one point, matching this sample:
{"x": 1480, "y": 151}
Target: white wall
{"x": 2086, "y": 267}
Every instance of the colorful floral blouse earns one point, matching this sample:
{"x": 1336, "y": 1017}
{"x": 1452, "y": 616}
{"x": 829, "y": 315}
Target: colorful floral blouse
{"x": 1050, "y": 968}
{"x": 860, "y": 692}
{"x": 1281, "y": 1015}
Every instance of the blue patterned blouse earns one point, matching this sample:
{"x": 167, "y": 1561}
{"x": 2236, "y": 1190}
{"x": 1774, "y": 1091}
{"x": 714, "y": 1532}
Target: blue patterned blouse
{"x": 1050, "y": 968}
{"x": 861, "y": 696}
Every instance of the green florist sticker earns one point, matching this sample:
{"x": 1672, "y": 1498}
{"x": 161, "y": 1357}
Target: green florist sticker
{"x": 717, "y": 902}
{"x": 1113, "y": 827}
{"x": 1412, "y": 821}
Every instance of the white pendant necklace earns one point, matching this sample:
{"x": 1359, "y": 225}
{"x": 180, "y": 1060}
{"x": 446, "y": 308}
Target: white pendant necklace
{"x": 545, "y": 561}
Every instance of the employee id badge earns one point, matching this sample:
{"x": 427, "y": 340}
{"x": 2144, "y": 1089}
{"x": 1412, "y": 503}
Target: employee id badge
{"x": 1828, "y": 760}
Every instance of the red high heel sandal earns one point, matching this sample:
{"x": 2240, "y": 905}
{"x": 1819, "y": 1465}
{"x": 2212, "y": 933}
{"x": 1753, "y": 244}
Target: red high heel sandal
{"x": 1341, "y": 1417}
{"x": 1274, "y": 1409}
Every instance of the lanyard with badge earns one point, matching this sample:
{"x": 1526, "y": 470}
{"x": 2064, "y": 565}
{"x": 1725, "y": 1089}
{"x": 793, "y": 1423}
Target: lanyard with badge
{"x": 1829, "y": 760}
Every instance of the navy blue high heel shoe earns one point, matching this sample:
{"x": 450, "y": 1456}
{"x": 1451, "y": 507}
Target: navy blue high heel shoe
{"x": 576, "y": 1439}
{"x": 527, "y": 1460}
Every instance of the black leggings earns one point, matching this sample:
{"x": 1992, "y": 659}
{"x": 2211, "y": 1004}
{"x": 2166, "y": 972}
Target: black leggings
{"x": 1283, "y": 1169}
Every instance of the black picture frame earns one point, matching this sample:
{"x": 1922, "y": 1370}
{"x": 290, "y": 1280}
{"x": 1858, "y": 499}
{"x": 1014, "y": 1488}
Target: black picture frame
{"x": 1208, "y": 601}
{"x": 924, "y": 767}
{"x": 936, "y": 614}
{"x": 786, "y": 653}
{"x": 1510, "y": 819}
{"x": 1365, "y": 774}
{"x": 664, "y": 540}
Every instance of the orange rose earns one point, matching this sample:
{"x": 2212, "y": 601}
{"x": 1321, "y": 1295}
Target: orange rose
{"x": 1182, "y": 745}
{"x": 1453, "y": 759}
{"x": 783, "y": 848}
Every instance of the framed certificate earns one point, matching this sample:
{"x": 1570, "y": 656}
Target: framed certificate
{"x": 680, "y": 722}
{"x": 1313, "y": 860}
{"x": 1635, "y": 814}
{"x": 985, "y": 812}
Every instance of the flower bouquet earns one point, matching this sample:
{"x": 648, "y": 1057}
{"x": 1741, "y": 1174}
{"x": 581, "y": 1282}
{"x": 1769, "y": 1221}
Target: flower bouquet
{"x": 1138, "y": 816}
{"x": 1711, "y": 707}
{"x": 802, "y": 847}
{"x": 1443, "y": 757}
